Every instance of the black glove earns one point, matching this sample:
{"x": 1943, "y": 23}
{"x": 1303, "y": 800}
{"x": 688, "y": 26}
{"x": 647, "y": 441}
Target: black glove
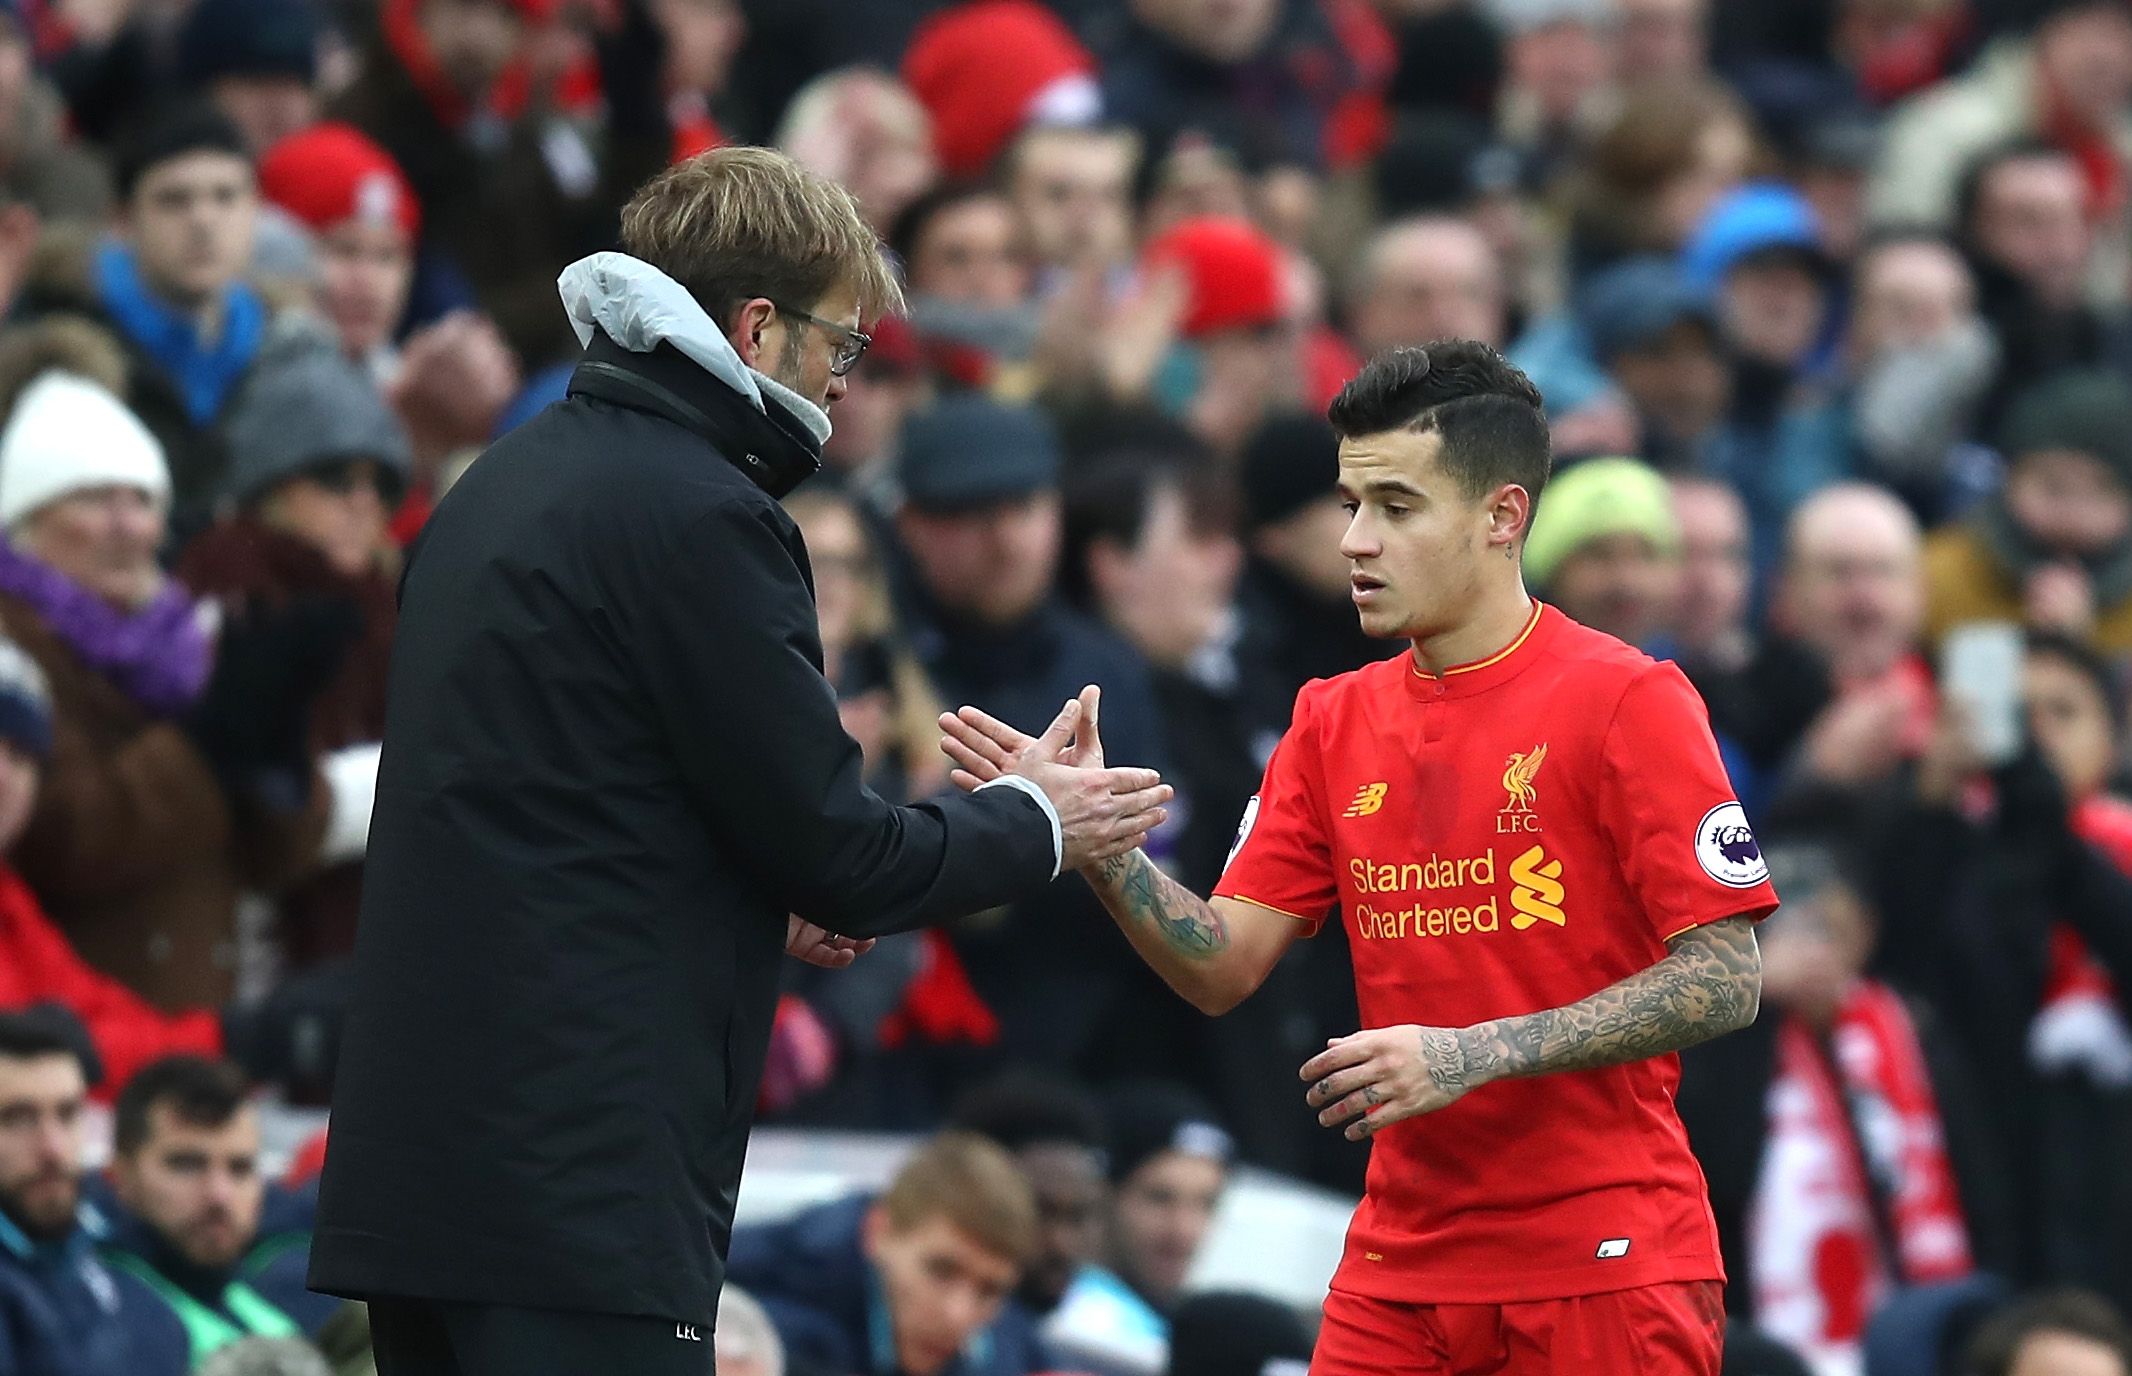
{"x": 292, "y": 1037}
{"x": 270, "y": 666}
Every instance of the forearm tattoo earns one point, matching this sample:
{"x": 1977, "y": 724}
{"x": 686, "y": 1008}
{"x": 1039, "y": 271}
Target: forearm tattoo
{"x": 1143, "y": 898}
{"x": 1708, "y": 984}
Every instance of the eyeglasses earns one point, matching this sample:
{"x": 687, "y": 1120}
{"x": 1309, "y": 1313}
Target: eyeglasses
{"x": 344, "y": 476}
{"x": 850, "y": 343}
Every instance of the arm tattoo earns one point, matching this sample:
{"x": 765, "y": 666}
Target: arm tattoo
{"x": 1143, "y": 898}
{"x": 1709, "y": 984}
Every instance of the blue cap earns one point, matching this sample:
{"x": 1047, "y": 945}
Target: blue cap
{"x": 1755, "y": 219}
{"x": 966, "y": 452}
{"x": 1634, "y": 303}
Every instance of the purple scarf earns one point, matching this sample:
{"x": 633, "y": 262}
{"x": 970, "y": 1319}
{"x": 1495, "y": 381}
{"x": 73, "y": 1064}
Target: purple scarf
{"x": 158, "y": 656}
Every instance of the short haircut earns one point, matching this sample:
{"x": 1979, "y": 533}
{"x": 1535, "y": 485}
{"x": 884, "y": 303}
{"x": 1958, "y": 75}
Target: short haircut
{"x": 1112, "y": 496}
{"x": 1487, "y": 413}
{"x": 1026, "y": 1109}
{"x": 918, "y": 216}
{"x": 1124, "y": 138}
{"x": 2083, "y": 659}
{"x": 974, "y": 1185}
{"x": 173, "y": 130}
{"x": 202, "y": 1092}
{"x": 1969, "y": 191}
{"x": 1998, "y": 1343}
{"x": 28, "y": 1036}
{"x": 737, "y": 223}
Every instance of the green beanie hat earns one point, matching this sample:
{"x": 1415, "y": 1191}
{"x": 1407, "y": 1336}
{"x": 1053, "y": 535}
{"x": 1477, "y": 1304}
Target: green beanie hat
{"x": 1595, "y": 498}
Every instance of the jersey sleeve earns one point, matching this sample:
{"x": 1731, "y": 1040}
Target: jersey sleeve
{"x": 1282, "y": 858}
{"x": 1682, "y": 839}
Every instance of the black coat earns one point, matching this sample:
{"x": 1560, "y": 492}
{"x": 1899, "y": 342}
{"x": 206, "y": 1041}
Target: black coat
{"x": 611, "y": 768}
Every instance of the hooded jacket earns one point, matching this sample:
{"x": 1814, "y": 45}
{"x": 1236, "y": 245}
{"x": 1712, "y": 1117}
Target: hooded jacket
{"x": 611, "y": 768}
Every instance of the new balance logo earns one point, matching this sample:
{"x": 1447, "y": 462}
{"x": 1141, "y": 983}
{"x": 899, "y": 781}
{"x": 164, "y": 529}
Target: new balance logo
{"x": 686, "y": 1332}
{"x": 1368, "y": 799}
{"x": 1613, "y": 1248}
{"x": 1538, "y": 895}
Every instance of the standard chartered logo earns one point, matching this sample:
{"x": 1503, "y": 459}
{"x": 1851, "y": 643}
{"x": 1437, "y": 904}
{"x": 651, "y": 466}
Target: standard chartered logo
{"x": 1459, "y": 894}
{"x": 1538, "y": 895}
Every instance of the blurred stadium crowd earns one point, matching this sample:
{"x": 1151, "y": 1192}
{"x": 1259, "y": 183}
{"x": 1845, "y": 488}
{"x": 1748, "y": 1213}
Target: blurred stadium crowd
{"x": 1831, "y": 305}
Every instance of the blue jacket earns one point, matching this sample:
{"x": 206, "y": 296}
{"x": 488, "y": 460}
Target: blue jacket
{"x": 64, "y": 1312}
{"x": 810, "y": 1272}
{"x": 205, "y": 372}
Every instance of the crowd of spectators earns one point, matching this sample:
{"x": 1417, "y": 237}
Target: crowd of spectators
{"x": 1830, "y": 302}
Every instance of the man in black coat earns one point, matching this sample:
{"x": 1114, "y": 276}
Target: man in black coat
{"x": 612, "y": 769}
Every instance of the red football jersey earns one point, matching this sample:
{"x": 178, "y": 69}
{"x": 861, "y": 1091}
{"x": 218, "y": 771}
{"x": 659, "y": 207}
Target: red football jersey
{"x": 1510, "y": 836}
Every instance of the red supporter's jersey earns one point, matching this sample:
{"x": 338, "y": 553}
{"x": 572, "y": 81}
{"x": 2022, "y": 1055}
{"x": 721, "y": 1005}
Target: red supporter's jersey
{"x": 1512, "y": 836}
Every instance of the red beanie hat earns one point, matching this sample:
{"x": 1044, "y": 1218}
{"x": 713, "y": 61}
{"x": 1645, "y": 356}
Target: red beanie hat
{"x": 331, "y": 173}
{"x": 1234, "y": 270}
{"x": 983, "y": 70}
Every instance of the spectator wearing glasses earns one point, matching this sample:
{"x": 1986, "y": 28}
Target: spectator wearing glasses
{"x": 318, "y": 462}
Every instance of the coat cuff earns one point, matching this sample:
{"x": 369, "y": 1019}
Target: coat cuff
{"x": 1051, "y": 815}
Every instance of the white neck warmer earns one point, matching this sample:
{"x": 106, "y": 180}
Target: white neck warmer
{"x": 640, "y": 307}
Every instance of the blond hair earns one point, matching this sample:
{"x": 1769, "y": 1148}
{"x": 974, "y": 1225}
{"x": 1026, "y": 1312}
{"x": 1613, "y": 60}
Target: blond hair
{"x": 972, "y": 1183}
{"x": 737, "y": 223}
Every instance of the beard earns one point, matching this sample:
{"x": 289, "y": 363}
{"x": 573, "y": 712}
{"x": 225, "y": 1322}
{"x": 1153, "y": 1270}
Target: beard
{"x": 791, "y": 363}
{"x": 213, "y": 1243}
{"x": 43, "y": 1206}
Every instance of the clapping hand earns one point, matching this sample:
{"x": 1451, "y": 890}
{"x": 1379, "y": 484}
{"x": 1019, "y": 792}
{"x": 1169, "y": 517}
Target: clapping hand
{"x": 1103, "y": 812}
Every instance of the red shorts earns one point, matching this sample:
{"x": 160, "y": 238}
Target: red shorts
{"x": 1655, "y": 1330}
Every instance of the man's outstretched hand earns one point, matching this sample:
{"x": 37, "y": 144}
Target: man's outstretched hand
{"x": 816, "y": 946}
{"x": 1103, "y": 812}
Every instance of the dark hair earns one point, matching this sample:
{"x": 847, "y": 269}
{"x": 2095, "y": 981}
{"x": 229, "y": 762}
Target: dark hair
{"x": 918, "y": 216}
{"x": 2077, "y": 1313}
{"x": 28, "y": 1035}
{"x": 1112, "y": 496}
{"x": 1025, "y": 1108}
{"x": 1489, "y": 415}
{"x": 2081, "y": 657}
{"x": 173, "y": 131}
{"x": 1969, "y": 191}
{"x": 200, "y": 1091}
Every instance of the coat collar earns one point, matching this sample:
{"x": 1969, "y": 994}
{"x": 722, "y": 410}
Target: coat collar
{"x": 771, "y": 447}
{"x": 640, "y": 308}
{"x": 650, "y": 346}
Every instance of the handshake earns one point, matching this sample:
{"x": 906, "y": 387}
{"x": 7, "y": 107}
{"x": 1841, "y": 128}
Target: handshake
{"x": 1103, "y": 813}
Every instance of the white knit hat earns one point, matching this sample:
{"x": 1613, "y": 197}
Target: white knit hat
{"x": 67, "y": 433}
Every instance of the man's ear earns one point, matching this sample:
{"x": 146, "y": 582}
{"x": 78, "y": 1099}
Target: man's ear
{"x": 1509, "y": 515}
{"x": 755, "y": 318}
